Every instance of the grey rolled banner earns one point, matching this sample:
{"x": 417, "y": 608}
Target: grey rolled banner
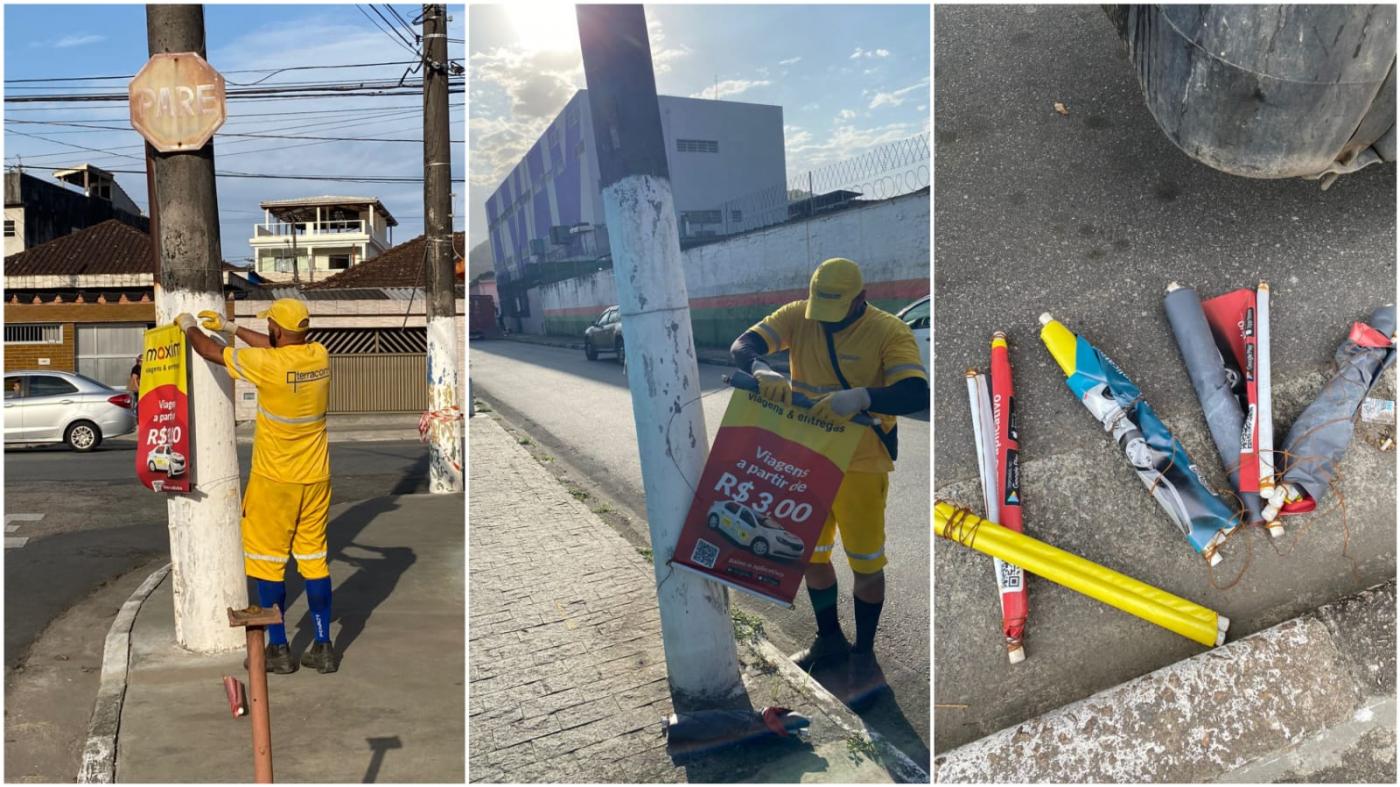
{"x": 1320, "y": 436}
{"x": 1207, "y": 372}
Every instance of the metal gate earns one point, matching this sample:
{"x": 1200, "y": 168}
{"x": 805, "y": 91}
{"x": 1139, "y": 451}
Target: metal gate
{"x": 106, "y": 351}
{"x": 377, "y": 370}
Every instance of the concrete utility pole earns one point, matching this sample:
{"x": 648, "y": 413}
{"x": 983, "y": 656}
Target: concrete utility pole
{"x": 445, "y": 426}
{"x": 205, "y": 545}
{"x": 665, "y": 381}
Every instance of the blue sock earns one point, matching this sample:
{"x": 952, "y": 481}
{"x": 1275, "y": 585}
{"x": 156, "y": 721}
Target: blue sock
{"x": 274, "y": 594}
{"x": 318, "y": 595}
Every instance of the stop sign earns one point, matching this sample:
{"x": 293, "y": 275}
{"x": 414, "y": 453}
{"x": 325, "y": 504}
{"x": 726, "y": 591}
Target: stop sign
{"x": 177, "y": 101}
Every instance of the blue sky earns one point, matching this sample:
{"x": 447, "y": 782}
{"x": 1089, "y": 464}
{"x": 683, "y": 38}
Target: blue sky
{"x": 106, "y": 40}
{"x": 848, "y": 77}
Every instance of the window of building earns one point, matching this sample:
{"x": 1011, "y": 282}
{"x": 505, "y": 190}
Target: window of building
{"x": 697, "y": 146}
{"x": 34, "y": 333}
{"x": 339, "y": 262}
{"x": 703, "y": 216}
{"x": 736, "y": 216}
{"x": 9, "y": 228}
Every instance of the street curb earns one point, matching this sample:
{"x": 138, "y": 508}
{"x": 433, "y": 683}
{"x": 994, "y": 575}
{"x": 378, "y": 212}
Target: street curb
{"x": 1201, "y": 718}
{"x": 99, "y": 765}
{"x": 900, "y": 766}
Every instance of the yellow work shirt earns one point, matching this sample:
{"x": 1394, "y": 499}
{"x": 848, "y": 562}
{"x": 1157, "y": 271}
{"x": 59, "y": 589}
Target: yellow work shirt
{"x": 294, "y": 385}
{"x": 875, "y": 351}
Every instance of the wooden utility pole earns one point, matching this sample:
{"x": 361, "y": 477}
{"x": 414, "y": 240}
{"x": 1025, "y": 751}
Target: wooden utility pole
{"x": 641, "y": 216}
{"x": 205, "y": 545}
{"x": 444, "y": 413}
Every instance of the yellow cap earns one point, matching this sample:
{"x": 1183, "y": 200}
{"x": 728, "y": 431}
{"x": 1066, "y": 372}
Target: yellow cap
{"x": 289, "y": 313}
{"x": 1060, "y": 341}
{"x": 835, "y": 284}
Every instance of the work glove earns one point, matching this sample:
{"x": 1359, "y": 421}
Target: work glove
{"x": 216, "y": 322}
{"x": 841, "y": 405}
{"x": 185, "y": 320}
{"x": 772, "y": 386}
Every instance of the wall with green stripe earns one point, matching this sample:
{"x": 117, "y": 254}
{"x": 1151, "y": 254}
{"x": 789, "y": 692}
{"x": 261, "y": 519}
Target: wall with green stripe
{"x": 889, "y": 239}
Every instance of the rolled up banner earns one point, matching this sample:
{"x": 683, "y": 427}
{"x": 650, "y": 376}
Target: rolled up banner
{"x": 1232, "y": 319}
{"x": 1007, "y": 448}
{"x": 1263, "y": 370}
{"x": 1011, "y": 581}
{"x": 1205, "y": 365}
{"x": 1320, "y": 436}
{"x": 1158, "y": 458}
{"x": 1152, "y": 604}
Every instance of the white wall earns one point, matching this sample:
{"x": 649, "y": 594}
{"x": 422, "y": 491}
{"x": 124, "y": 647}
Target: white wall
{"x": 890, "y": 241}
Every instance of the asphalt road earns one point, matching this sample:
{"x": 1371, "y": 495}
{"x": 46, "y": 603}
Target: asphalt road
{"x": 581, "y": 411}
{"x": 98, "y": 523}
{"x": 1089, "y": 216}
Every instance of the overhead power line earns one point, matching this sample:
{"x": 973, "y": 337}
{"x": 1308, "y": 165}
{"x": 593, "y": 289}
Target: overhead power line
{"x": 328, "y": 90}
{"x": 274, "y": 71}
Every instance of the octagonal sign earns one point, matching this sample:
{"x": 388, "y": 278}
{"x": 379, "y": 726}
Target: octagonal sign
{"x": 177, "y": 101}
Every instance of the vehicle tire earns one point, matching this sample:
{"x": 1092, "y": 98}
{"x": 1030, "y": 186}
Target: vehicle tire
{"x": 588, "y": 350}
{"x": 151, "y": 466}
{"x": 83, "y": 436}
{"x": 759, "y": 547}
{"x": 621, "y": 353}
{"x": 714, "y": 521}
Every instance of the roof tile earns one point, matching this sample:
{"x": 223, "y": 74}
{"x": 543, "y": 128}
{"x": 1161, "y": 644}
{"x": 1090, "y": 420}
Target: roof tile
{"x": 400, "y": 266}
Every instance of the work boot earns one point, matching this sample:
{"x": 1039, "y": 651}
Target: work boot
{"x": 826, "y": 649}
{"x": 322, "y": 657}
{"x": 278, "y": 659}
{"x": 864, "y": 678}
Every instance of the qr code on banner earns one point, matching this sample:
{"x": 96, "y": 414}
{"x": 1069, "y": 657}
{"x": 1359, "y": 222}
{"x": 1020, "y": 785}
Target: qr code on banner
{"x": 705, "y": 554}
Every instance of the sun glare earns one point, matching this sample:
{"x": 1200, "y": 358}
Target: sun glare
{"x": 541, "y": 27}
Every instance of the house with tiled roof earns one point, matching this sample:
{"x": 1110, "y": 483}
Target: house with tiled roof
{"x": 372, "y": 319}
{"x": 308, "y": 239}
{"x": 81, "y": 302}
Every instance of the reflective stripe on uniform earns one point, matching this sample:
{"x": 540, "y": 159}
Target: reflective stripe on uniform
{"x": 312, "y": 556}
{"x": 238, "y": 367}
{"x": 268, "y": 558}
{"x": 867, "y": 556}
{"x": 773, "y": 338}
{"x": 823, "y": 547}
{"x": 282, "y": 419}
{"x": 905, "y": 367}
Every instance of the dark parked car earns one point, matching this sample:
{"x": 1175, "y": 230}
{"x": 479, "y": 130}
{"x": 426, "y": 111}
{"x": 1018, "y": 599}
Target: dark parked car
{"x": 605, "y": 336}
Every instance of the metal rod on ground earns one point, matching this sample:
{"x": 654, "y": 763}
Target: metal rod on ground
{"x": 641, "y": 218}
{"x": 255, "y": 620}
{"x": 205, "y": 545}
{"x": 444, "y": 415}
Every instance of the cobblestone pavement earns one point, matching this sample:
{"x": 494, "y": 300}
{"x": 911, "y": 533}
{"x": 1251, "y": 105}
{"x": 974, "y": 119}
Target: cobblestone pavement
{"x": 567, "y": 673}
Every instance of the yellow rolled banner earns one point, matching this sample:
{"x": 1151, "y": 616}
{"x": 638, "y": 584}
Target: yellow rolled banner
{"x": 1152, "y": 604}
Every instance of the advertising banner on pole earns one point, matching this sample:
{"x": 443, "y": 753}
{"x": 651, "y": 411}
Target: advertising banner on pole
{"x": 767, "y": 487}
{"x": 164, "y": 461}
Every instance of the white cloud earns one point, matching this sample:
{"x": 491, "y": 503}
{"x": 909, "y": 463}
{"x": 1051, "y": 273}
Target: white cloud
{"x": 790, "y": 61}
{"x": 730, "y": 87}
{"x": 868, "y": 53}
{"x": 81, "y": 39}
{"x": 845, "y": 114}
{"x": 662, "y": 56}
{"x": 805, "y": 152}
{"x": 896, "y": 97}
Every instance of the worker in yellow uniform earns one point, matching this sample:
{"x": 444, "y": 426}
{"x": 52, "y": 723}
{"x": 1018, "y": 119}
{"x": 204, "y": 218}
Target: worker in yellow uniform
{"x": 851, "y": 358}
{"x": 288, "y": 496}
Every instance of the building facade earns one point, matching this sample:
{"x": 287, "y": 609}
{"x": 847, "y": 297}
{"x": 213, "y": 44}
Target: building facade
{"x": 37, "y": 211}
{"x": 313, "y": 238}
{"x": 550, "y": 208}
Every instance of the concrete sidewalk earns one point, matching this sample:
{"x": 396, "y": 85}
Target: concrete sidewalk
{"x": 567, "y": 673}
{"x": 714, "y": 356}
{"x": 394, "y": 711}
{"x": 1311, "y": 699}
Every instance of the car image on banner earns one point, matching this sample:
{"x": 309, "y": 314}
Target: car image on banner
{"x": 754, "y": 531}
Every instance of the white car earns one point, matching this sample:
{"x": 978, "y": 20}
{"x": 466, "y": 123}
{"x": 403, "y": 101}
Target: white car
{"x": 918, "y": 316}
{"x": 63, "y": 407}
{"x": 162, "y": 458}
{"x": 752, "y": 530}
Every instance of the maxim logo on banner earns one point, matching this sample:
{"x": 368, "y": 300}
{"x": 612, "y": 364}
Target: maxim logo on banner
{"x": 163, "y": 352}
